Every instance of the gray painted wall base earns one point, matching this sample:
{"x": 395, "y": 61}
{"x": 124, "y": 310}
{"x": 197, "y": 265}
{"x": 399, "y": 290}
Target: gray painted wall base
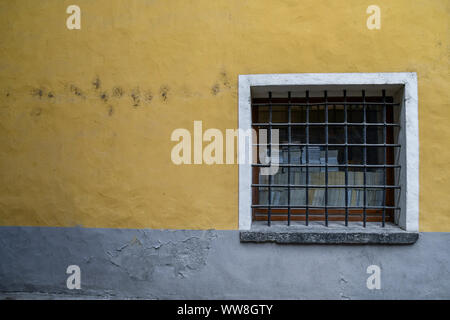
{"x": 196, "y": 264}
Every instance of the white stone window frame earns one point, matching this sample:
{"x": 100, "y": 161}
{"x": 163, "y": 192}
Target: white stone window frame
{"x": 405, "y": 82}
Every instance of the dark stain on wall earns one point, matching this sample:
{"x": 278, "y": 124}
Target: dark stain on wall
{"x": 215, "y": 89}
{"x": 37, "y": 92}
{"x": 104, "y": 97}
{"x": 148, "y": 96}
{"x": 135, "y": 96}
{"x": 110, "y": 110}
{"x": 96, "y": 83}
{"x": 117, "y": 92}
{"x": 224, "y": 79}
{"x": 36, "y": 112}
{"x": 164, "y": 92}
{"x": 75, "y": 90}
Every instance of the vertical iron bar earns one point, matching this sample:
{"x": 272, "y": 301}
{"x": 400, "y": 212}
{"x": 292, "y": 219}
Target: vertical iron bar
{"x": 385, "y": 158}
{"x": 334, "y": 113}
{"x": 269, "y": 139}
{"x": 326, "y": 158}
{"x": 307, "y": 158}
{"x": 346, "y": 157}
{"x": 289, "y": 158}
{"x": 365, "y": 155}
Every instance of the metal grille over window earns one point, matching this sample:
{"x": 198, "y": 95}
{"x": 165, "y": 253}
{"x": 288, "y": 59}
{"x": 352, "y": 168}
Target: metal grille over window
{"x": 337, "y": 158}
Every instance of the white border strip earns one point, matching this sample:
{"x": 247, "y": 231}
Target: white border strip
{"x": 406, "y": 79}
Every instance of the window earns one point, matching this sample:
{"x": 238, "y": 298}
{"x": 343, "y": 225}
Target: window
{"x": 348, "y": 150}
{"x": 336, "y": 158}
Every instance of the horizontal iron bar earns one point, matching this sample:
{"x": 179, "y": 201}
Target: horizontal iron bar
{"x": 351, "y": 186}
{"x": 330, "y": 165}
{"x": 330, "y": 104}
{"x": 321, "y": 207}
{"x": 285, "y": 124}
{"x": 331, "y": 144}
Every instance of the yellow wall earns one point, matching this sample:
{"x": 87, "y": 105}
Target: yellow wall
{"x": 75, "y": 158}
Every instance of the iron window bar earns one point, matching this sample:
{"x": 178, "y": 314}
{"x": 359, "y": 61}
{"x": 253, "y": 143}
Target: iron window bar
{"x": 326, "y": 157}
{"x": 307, "y": 159}
{"x": 269, "y": 139}
{"x": 347, "y": 122}
{"x": 274, "y": 104}
{"x": 346, "y": 158}
{"x": 356, "y": 186}
{"x": 320, "y": 207}
{"x": 289, "y": 158}
{"x": 331, "y": 165}
{"x": 363, "y": 124}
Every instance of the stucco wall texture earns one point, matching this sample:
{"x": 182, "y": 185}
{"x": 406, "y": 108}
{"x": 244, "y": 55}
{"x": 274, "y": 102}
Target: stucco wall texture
{"x": 86, "y": 115}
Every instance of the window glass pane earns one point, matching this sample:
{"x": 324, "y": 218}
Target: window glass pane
{"x": 278, "y": 196}
{"x": 298, "y": 114}
{"x": 263, "y": 179}
{"x": 263, "y": 196}
{"x": 336, "y": 134}
{"x": 298, "y": 134}
{"x": 283, "y": 156}
{"x": 355, "y": 176}
{"x": 260, "y": 114}
{"x": 355, "y": 134}
{"x": 374, "y": 135}
{"x": 317, "y": 176}
{"x": 298, "y": 176}
{"x": 335, "y": 177}
{"x": 356, "y": 155}
{"x": 375, "y": 155}
{"x": 316, "y": 197}
{"x": 296, "y": 154}
{"x": 355, "y": 113}
{"x": 282, "y": 132}
{"x": 279, "y": 114}
{"x": 374, "y": 176}
{"x": 336, "y": 113}
{"x": 317, "y": 114}
{"x": 374, "y": 197}
{"x": 314, "y": 154}
{"x": 281, "y": 177}
{"x": 298, "y": 196}
{"x": 356, "y": 197}
{"x": 317, "y": 134}
{"x": 374, "y": 113}
{"x": 336, "y": 155}
{"x": 336, "y": 197}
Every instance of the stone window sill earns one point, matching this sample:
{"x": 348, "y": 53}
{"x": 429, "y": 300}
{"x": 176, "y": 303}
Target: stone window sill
{"x": 335, "y": 233}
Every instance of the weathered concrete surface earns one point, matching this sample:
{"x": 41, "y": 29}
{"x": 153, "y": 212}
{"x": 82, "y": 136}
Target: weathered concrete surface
{"x": 165, "y": 264}
{"x": 334, "y": 233}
